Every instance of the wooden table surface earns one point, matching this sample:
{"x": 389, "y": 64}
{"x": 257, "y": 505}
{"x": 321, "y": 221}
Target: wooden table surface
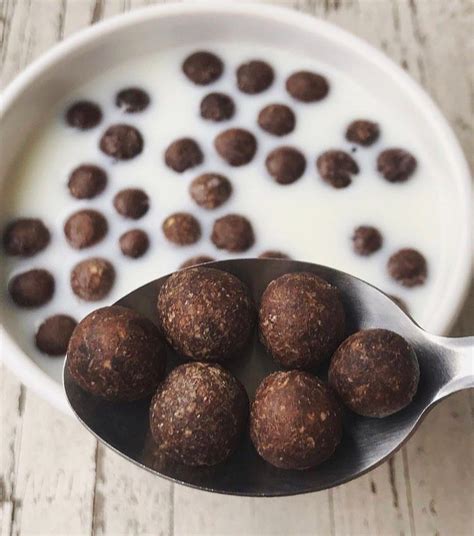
{"x": 54, "y": 477}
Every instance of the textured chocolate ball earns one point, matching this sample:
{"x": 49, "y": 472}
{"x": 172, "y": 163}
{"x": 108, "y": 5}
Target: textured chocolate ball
{"x": 396, "y": 165}
{"x": 277, "y": 119}
{"x": 199, "y": 414}
{"x": 366, "y": 240}
{"x": 54, "y": 333}
{"x": 233, "y": 233}
{"x": 408, "y": 267}
{"x": 183, "y": 154}
{"x": 132, "y": 100}
{"x": 92, "y": 279}
{"x": 285, "y": 164}
{"x": 117, "y": 354}
{"x": 236, "y": 146}
{"x": 182, "y": 229}
{"x": 83, "y": 115}
{"x": 306, "y": 86}
{"x": 295, "y": 421}
{"x": 273, "y": 254}
{"x": 194, "y": 261}
{"x": 206, "y": 314}
{"x": 203, "y": 67}
{"x": 122, "y": 142}
{"x": 85, "y": 228}
{"x": 32, "y": 288}
{"x": 254, "y": 77}
{"x": 87, "y": 181}
{"x": 363, "y": 132}
{"x": 375, "y": 372}
{"x": 25, "y": 237}
{"x": 336, "y": 168}
{"x": 134, "y": 243}
{"x": 217, "y": 107}
{"x": 132, "y": 203}
{"x": 301, "y": 320}
{"x": 210, "y": 190}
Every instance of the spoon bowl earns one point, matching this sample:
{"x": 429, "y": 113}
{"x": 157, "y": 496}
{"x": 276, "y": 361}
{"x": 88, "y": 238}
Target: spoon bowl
{"x": 446, "y": 366}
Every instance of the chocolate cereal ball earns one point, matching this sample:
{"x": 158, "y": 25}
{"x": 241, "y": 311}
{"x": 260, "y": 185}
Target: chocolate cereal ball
{"x": 132, "y": 203}
{"x": 134, "y": 243}
{"x": 117, "y": 354}
{"x": 206, "y": 314}
{"x": 375, "y": 372}
{"x": 366, "y": 240}
{"x": 32, "y": 288}
{"x": 25, "y": 237}
{"x": 199, "y": 414}
{"x": 203, "y": 67}
{"x": 183, "y": 154}
{"x": 92, "y": 279}
{"x": 233, "y": 233}
{"x": 408, "y": 267}
{"x": 83, "y": 115}
{"x": 236, "y": 146}
{"x": 87, "y": 181}
{"x": 336, "y": 168}
{"x": 122, "y": 142}
{"x": 182, "y": 229}
{"x": 54, "y": 333}
{"x": 285, "y": 164}
{"x": 306, "y": 86}
{"x": 273, "y": 254}
{"x": 363, "y": 132}
{"x": 295, "y": 422}
{"x": 301, "y": 320}
{"x": 277, "y": 119}
{"x": 254, "y": 77}
{"x": 210, "y": 190}
{"x": 85, "y": 228}
{"x": 132, "y": 100}
{"x": 217, "y": 107}
{"x": 396, "y": 165}
{"x": 194, "y": 261}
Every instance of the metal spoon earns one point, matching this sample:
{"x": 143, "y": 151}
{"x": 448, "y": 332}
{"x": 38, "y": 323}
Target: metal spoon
{"x": 446, "y": 366}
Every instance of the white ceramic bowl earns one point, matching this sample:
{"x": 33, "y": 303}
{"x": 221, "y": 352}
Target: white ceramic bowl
{"x": 26, "y": 102}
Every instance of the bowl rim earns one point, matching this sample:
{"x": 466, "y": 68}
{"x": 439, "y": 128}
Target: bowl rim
{"x": 37, "y": 379}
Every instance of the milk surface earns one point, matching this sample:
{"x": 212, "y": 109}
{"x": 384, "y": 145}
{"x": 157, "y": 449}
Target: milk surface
{"x": 309, "y": 220}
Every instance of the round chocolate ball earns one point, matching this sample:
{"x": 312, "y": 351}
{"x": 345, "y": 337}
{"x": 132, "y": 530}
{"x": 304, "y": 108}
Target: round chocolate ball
{"x": 363, "y": 132}
{"x": 254, "y": 77}
{"x": 117, "y": 354}
{"x": 217, "y": 107}
{"x": 54, "y": 333}
{"x": 206, "y": 314}
{"x": 295, "y": 421}
{"x": 134, "y": 243}
{"x": 277, "y": 119}
{"x": 375, "y": 372}
{"x": 210, "y": 190}
{"x": 273, "y": 254}
{"x": 408, "y": 267}
{"x": 336, "y": 168}
{"x": 83, "y": 115}
{"x": 236, "y": 146}
{"x": 182, "y": 229}
{"x": 396, "y": 165}
{"x": 85, "y": 228}
{"x": 301, "y": 320}
{"x": 183, "y": 154}
{"x": 366, "y": 240}
{"x": 194, "y": 261}
{"x": 306, "y": 86}
{"x": 203, "y": 67}
{"x": 285, "y": 164}
{"x": 122, "y": 142}
{"x": 199, "y": 414}
{"x": 132, "y": 203}
{"x": 32, "y": 288}
{"x": 233, "y": 233}
{"x": 87, "y": 181}
{"x": 25, "y": 237}
{"x": 92, "y": 279}
{"x": 132, "y": 100}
